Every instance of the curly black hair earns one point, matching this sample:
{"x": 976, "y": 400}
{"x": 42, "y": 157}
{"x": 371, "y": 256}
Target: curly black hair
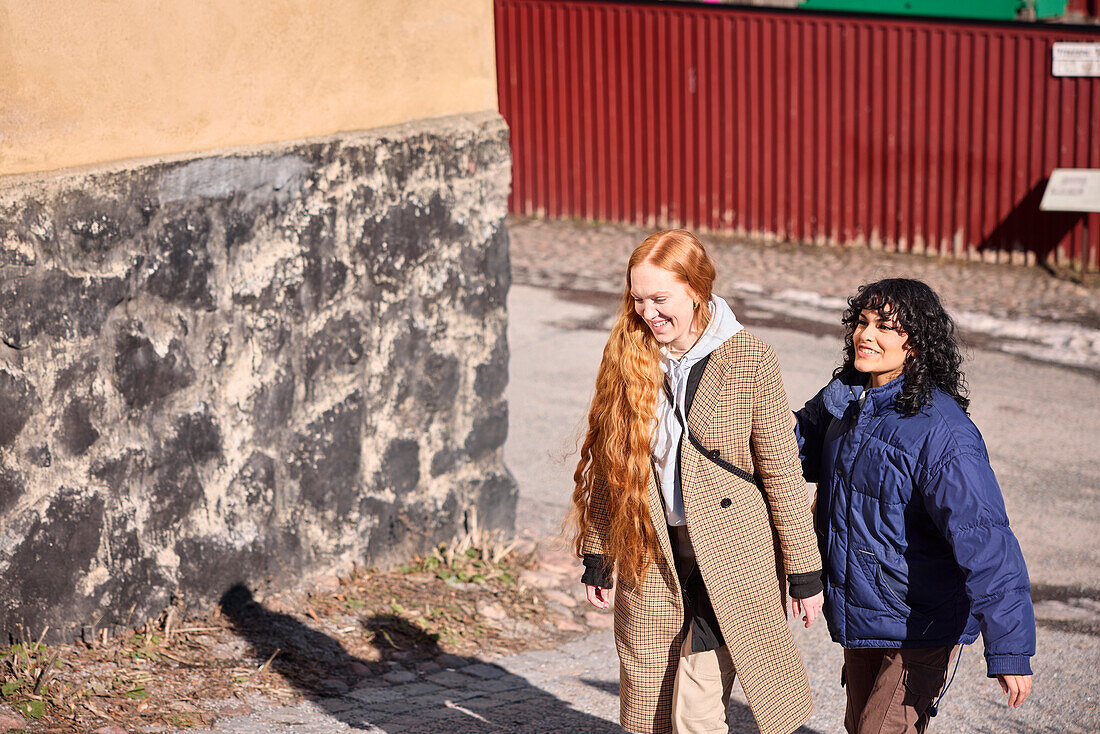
{"x": 935, "y": 359}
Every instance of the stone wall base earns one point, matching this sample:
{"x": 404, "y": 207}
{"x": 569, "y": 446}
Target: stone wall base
{"x": 249, "y": 366}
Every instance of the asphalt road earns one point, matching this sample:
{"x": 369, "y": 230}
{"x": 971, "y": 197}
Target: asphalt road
{"x": 1041, "y": 424}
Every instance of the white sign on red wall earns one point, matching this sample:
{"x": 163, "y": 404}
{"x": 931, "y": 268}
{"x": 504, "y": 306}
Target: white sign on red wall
{"x": 1072, "y": 190}
{"x": 1069, "y": 58}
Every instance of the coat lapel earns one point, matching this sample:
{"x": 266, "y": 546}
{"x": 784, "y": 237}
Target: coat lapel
{"x": 660, "y": 526}
{"x": 703, "y": 404}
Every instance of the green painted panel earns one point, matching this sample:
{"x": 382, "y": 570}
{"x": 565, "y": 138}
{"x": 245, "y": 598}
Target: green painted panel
{"x": 984, "y": 9}
{"x": 1050, "y": 8}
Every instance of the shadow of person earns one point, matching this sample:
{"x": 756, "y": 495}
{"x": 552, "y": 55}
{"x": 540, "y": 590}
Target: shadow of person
{"x": 414, "y": 686}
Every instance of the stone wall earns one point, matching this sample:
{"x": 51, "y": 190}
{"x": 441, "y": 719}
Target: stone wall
{"x": 249, "y": 366}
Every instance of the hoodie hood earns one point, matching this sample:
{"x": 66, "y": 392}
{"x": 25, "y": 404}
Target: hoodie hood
{"x": 668, "y": 432}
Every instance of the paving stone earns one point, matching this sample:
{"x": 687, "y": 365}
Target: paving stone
{"x": 458, "y": 696}
{"x": 501, "y": 684}
{"x": 438, "y": 715}
{"x": 420, "y": 689}
{"x": 399, "y": 676}
{"x": 486, "y": 671}
{"x": 391, "y": 708}
{"x": 403, "y": 723}
{"x": 481, "y": 703}
{"x": 452, "y": 661}
{"x": 372, "y": 696}
{"x": 451, "y": 679}
{"x": 526, "y": 693}
{"x": 431, "y": 701}
{"x": 335, "y": 685}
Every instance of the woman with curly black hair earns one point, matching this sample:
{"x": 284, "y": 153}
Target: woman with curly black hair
{"x": 918, "y": 554}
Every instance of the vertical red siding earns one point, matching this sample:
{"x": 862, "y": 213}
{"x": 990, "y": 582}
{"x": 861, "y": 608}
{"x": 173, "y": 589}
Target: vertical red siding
{"x": 905, "y": 134}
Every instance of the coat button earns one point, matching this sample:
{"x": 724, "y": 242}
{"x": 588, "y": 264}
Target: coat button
{"x": 715, "y": 453}
{"x": 726, "y": 502}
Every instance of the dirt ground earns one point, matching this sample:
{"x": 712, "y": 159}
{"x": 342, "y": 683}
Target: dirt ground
{"x": 332, "y": 635}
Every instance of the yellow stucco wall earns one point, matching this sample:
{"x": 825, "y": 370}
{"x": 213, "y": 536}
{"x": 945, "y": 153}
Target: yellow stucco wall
{"x": 100, "y": 80}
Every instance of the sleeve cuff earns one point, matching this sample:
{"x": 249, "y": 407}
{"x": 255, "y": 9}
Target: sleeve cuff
{"x": 597, "y": 571}
{"x": 805, "y": 585}
{"x": 1007, "y": 665}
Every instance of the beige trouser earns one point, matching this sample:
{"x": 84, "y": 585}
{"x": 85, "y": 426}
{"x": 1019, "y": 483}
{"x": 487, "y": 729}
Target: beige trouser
{"x": 701, "y": 693}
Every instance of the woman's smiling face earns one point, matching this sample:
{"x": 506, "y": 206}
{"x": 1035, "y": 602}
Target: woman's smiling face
{"x": 665, "y": 304}
{"x": 881, "y": 347}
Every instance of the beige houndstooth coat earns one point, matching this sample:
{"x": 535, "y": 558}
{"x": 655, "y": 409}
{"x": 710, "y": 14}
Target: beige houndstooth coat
{"x": 740, "y": 408}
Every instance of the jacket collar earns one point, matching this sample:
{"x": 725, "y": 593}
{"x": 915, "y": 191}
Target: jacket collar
{"x": 847, "y": 389}
{"x": 694, "y": 376}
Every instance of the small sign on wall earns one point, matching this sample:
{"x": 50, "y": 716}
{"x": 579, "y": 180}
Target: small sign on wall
{"x": 1070, "y": 58}
{"x": 1072, "y": 190}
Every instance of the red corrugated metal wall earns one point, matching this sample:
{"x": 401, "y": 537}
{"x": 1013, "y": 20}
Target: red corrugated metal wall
{"x": 1083, "y": 9}
{"x": 905, "y": 134}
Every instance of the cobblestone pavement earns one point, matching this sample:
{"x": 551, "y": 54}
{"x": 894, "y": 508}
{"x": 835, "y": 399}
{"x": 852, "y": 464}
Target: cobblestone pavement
{"x": 572, "y": 687}
{"x": 467, "y": 695}
{"x": 1017, "y": 309}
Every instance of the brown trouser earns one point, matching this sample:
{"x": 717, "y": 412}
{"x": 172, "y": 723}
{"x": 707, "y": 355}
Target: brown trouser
{"x": 890, "y": 690}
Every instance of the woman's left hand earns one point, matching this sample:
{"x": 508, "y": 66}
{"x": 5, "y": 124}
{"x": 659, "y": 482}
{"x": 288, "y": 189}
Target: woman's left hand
{"x": 808, "y": 609}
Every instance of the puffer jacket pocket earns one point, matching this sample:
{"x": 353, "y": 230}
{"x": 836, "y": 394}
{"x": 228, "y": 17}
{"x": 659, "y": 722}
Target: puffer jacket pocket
{"x": 893, "y": 583}
{"x": 867, "y": 588}
{"x": 911, "y": 619}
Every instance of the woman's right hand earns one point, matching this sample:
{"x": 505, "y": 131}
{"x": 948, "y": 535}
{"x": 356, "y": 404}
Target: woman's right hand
{"x": 598, "y": 596}
{"x": 808, "y": 609}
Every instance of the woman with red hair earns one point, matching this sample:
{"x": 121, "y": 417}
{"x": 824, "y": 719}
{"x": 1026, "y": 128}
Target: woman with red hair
{"x": 689, "y": 490}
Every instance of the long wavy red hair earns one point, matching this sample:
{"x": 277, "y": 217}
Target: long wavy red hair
{"x": 617, "y": 447}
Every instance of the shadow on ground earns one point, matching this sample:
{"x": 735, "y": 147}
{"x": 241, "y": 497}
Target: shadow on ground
{"x": 452, "y": 694}
{"x": 1066, "y": 608}
{"x": 740, "y": 716}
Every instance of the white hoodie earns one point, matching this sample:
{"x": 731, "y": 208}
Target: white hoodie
{"x": 666, "y": 436}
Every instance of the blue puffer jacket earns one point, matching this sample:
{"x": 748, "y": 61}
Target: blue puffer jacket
{"x": 912, "y": 527}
